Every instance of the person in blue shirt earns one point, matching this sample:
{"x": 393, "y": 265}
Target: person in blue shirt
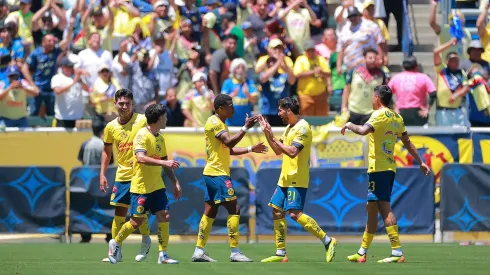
{"x": 191, "y": 12}
{"x": 10, "y": 50}
{"x": 276, "y": 82}
{"x": 242, "y": 90}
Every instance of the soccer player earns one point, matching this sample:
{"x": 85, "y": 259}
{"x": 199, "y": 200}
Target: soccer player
{"x": 219, "y": 187}
{"x": 121, "y": 131}
{"x": 147, "y": 187}
{"x": 383, "y": 129}
{"x": 290, "y": 193}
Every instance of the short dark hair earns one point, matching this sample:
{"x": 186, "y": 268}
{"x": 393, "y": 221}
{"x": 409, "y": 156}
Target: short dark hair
{"x": 410, "y": 63}
{"x": 154, "y": 112}
{"x": 289, "y": 103}
{"x": 221, "y": 100}
{"x": 384, "y": 93}
{"x": 451, "y": 53}
{"x": 370, "y": 50}
{"x": 230, "y": 36}
{"x": 97, "y": 127}
{"x": 92, "y": 34}
{"x": 123, "y": 93}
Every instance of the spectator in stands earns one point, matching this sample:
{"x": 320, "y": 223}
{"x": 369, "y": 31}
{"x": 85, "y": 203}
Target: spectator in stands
{"x": 411, "y": 88}
{"x": 320, "y": 8}
{"x": 102, "y": 94}
{"x": 328, "y": 44}
{"x": 312, "y": 72}
{"x": 190, "y": 14}
{"x": 358, "y": 35}
{"x": 4, "y": 11}
{"x": 274, "y": 30}
{"x": 67, "y": 86}
{"x": 210, "y": 40}
{"x": 23, "y": 19}
{"x": 198, "y": 102}
{"x": 93, "y": 57}
{"x": 175, "y": 117}
{"x": 275, "y": 48}
{"x": 368, "y": 13}
{"x": 229, "y": 26}
{"x": 221, "y": 61}
{"x": 298, "y": 20}
{"x": 13, "y": 102}
{"x": 161, "y": 19}
{"x": 242, "y": 90}
{"x": 251, "y": 49}
{"x": 42, "y": 22}
{"x": 11, "y": 51}
{"x": 475, "y": 52}
{"x": 444, "y": 34}
{"x": 186, "y": 41}
{"x": 452, "y": 86}
{"x": 274, "y": 86}
{"x": 258, "y": 18}
{"x": 125, "y": 17}
{"x": 165, "y": 61}
{"x": 341, "y": 14}
{"x": 100, "y": 24}
{"x": 144, "y": 6}
{"x": 360, "y": 87}
{"x": 479, "y": 99}
{"x": 142, "y": 79}
{"x": 117, "y": 68}
{"x": 395, "y": 8}
{"x": 484, "y": 33}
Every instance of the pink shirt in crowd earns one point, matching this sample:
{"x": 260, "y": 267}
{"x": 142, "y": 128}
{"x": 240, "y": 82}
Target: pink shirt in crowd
{"x": 323, "y": 50}
{"x": 411, "y": 89}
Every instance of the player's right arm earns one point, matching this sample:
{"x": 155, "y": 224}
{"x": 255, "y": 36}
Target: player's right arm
{"x": 230, "y": 142}
{"x": 106, "y": 157}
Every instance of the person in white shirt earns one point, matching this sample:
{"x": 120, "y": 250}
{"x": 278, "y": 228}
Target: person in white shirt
{"x": 67, "y": 86}
{"x": 164, "y": 62}
{"x": 93, "y": 57}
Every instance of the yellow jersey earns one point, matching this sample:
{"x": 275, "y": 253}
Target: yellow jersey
{"x": 388, "y": 126}
{"x": 447, "y": 83}
{"x": 122, "y": 136}
{"x": 217, "y": 153}
{"x": 315, "y": 84}
{"x": 148, "y": 178}
{"x": 295, "y": 172}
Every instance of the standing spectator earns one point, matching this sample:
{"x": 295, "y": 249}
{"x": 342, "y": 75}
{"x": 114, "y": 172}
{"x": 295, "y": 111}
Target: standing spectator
{"x": 479, "y": 100}
{"x": 118, "y": 70}
{"x": 11, "y": 51}
{"x": 175, "y": 117}
{"x": 42, "y": 64}
{"x": 13, "y": 102}
{"x": 328, "y": 45}
{"x": 186, "y": 41}
{"x": 160, "y": 19}
{"x": 102, "y": 95}
{"x": 336, "y": 82}
{"x": 42, "y": 22}
{"x": 484, "y": 33}
{"x": 320, "y": 8}
{"x": 452, "y": 86}
{"x": 273, "y": 87}
{"x": 312, "y": 72}
{"x": 165, "y": 61}
{"x": 368, "y": 14}
{"x": 242, "y": 91}
{"x": 99, "y": 24}
{"x": 210, "y": 40}
{"x": 125, "y": 16}
{"x": 395, "y": 8}
{"x": 221, "y": 61}
{"x": 229, "y": 27}
{"x": 4, "y": 11}
{"x": 444, "y": 33}
{"x": 298, "y": 20}
{"x": 23, "y": 19}
{"x": 198, "y": 102}
{"x": 251, "y": 49}
{"x": 258, "y": 18}
{"x": 341, "y": 14}
{"x": 190, "y": 12}
{"x": 357, "y": 36}
{"x": 475, "y": 52}
{"x": 275, "y": 48}
{"x": 358, "y": 92}
{"x": 93, "y": 57}
{"x": 142, "y": 79}
{"x": 411, "y": 89}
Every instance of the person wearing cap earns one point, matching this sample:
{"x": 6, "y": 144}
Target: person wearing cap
{"x": 275, "y": 49}
{"x": 356, "y": 37}
{"x": 67, "y": 86}
{"x": 411, "y": 89}
{"x": 99, "y": 23}
{"x": 251, "y": 49}
{"x": 23, "y": 18}
{"x": 42, "y": 22}
{"x": 4, "y": 11}
{"x": 297, "y": 17}
{"x": 340, "y": 14}
{"x": 197, "y": 105}
{"x": 13, "y": 98}
{"x": 444, "y": 33}
{"x": 102, "y": 95}
{"x": 452, "y": 85}
{"x": 165, "y": 61}
{"x": 219, "y": 67}
{"x": 368, "y": 13}
{"x": 175, "y": 117}
{"x": 10, "y": 50}
{"x": 228, "y": 24}
{"x": 475, "y": 52}
{"x": 312, "y": 72}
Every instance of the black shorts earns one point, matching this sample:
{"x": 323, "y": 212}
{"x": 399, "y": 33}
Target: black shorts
{"x": 65, "y": 123}
{"x": 358, "y": 119}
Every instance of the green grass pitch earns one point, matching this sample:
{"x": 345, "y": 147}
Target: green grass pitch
{"x": 304, "y": 259}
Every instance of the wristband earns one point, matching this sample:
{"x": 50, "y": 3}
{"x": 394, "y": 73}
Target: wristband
{"x": 249, "y": 149}
{"x": 244, "y": 128}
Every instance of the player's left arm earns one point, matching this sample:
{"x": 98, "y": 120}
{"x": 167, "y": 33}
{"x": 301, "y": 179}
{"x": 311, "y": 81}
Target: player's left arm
{"x": 259, "y": 148}
{"x": 413, "y": 151}
{"x": 301, "y": 139}
{"x": 358, "y": 129}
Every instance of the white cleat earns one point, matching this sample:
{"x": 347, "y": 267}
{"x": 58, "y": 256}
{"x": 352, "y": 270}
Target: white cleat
{"x": 114, "y": 252}
{"x": 202, "y": 258}
{"x": 165, "y": 259}
{"x": 239, "y": 257}
{"x": 145, "y": 249}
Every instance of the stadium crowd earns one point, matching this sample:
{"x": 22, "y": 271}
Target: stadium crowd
{"x": 68, "y": 58}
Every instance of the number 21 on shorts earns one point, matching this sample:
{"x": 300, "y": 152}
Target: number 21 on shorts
{"x": 291, "y": 196}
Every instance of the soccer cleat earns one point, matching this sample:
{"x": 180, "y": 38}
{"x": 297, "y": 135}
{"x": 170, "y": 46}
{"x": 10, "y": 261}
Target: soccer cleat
{"x": 202, "y": 258}
{"x": 276, "y": 259}
{"x": 114, "y": 252}
{"x": 165, "y": 259}
{"x": 357, "y": 258}
{"x": 330, "y": 250}
{"x": 239, "y": 257}
{"x": 392, "y": 259}
{"x": 145, "y": 249}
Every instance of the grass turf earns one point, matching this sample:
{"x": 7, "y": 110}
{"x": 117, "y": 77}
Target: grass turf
{"x": 304, "y": 259}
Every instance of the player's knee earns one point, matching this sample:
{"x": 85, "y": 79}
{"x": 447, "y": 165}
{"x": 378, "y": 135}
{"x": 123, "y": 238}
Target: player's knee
{"x": 277, "y": 215}
{"x": 136, "y": 222}
{"x": 294, "y": 215}
{"x": 163, "y": 216}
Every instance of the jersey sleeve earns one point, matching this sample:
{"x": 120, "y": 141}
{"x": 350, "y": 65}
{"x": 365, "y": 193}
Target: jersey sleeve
{"x": 301, "y": 137}
{"x": 299, "y": 66}
{"x": 374, "y": 121}
{"x": 139, "y": 143}
{"x": 108, "y": 138}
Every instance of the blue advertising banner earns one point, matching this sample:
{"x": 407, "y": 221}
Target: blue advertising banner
{"x": 91, "y": 213}
{"x": 481, "y": 145}
{"x": 336, "y": 198}
{"x": 465, "y": 198}
{"x": 32, "y": 200}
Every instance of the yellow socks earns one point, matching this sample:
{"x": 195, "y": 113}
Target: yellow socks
{"x": 163, "y": 235}
{"x": 233, "y": 225}
{"x": 280, "y": 230}
{"x": 117, "y": 223}
{"x": 393, "y": 236}
{"x": 310, "y": 225}
{"x": 144, "y": 228}
{"x": 204, "y": 229}
{"x": 367, "y": 239}
{"x": 125, "y": 231}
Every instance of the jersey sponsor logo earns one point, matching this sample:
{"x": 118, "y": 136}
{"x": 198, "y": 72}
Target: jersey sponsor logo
{"x": 228, "y": 184}
{"x": 125, "y": 146}
{"x": 114, "y": 189}
{"x": 141, "y": 201}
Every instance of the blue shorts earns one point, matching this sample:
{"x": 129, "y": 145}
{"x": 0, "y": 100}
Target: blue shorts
{"x": 152, "y": 202}
{"x": 288, "y": 198}
{"x": 380, "y": 185}
{"x": 218, "y": 189}
{"x": 120, "y": 194}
